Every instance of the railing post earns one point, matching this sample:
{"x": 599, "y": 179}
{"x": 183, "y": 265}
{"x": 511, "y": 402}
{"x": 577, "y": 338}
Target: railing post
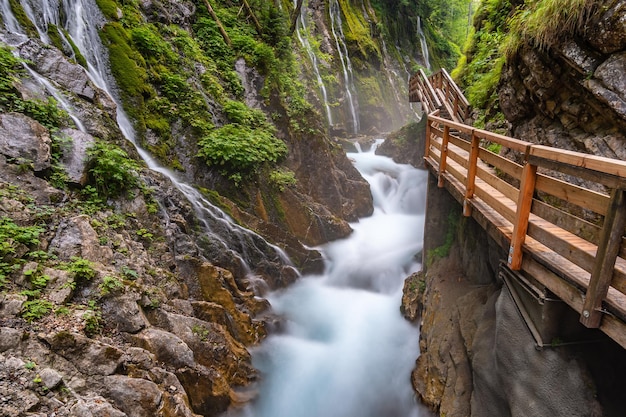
{"x": 606, "y": 255}
{"x": 471, "y": 175}
{"x": 444, "y": 155}
{"x": 524, "y": 203}
{"x": 427, "y": 141}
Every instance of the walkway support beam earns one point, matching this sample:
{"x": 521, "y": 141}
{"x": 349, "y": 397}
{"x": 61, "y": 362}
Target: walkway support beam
{"x": 608, "y": 249}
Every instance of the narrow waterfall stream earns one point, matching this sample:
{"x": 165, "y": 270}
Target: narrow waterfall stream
{"x": 346, "y": 351}
{"x": 81, "y": 19}
{"x": 423, "y": 43}
{"x": 302, "y": 35}
{"x": 337, "y": 29}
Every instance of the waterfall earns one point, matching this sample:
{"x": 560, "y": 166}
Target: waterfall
{"x": 346, "y": 64}
{"x": 302, "y": 34}
{"x": 423, "y": 44}
{"x": 54, "y": 92}
{"x": 345, "y": 350}
{"x": 82, "y": 19}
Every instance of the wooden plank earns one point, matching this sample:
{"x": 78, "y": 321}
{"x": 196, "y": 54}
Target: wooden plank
{"x": 461, "y": 143}
{"x": 610, "y": 181}
{"x": 608, "y": 248}
{"x": 575, "y": 225}
{"x": 505, "y": 165}
{"x": 505, "y": 207}
{"x": 582, "y": 197}
{"x": 511, "y": 143}
{"x": 454, "y": 125}
{"x": 524, "y": 202}
{"x": 471, "y": 175}
{"x": 590, "y": 162}
{"x": 487, "y": 175}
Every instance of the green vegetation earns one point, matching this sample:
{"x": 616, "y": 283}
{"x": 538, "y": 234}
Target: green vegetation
{"x": 111, "y": 170}
{"x": 36, "y": 309}
{"x": 544, "y": 22}
{"x": 282, "y": 179}
{"x": 45, "y": 112}
{"x": 11, "y": 236}
{"x": 93, "y": 319}
{"x": 443, "y": 250}
{"x": 110, "y": 284}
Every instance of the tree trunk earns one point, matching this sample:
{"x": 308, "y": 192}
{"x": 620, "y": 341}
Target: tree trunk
{"x": 294, "y": 18}
{"x": 219, "y": 24}
{"x": 252, "y": 15}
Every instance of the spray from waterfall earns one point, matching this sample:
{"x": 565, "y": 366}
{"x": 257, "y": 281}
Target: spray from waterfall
{"x": 82, "y": 20}
{"x": 346, "y": 64}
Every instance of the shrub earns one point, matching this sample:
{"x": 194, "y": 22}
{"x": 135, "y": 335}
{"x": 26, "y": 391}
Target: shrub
{"x": 111, "y": 169}
{"x": 239, "y": 151}
{"x": 36, "y": 309}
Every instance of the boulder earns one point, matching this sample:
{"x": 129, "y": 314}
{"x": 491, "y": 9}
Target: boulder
{"x": 25, "y": 140}
{"x": 124, "y": 312}
{"x": 53, "y": 64}
{"x": 74, "y": 158}
{"x": 90, "y": 357}
{"x": 167, "y": 347}
{"x": 608, "y": 32}
{"x": 135, "y": 397}
{"x": 76, "y": 237}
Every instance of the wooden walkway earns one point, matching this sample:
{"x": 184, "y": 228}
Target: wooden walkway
{"x": 560, "y": 214}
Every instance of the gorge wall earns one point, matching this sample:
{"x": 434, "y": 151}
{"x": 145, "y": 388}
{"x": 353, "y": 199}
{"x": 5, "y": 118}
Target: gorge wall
{"x": 536, "y": 73}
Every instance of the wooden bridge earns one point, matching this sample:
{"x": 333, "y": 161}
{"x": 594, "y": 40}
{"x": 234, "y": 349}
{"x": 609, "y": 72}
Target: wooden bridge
{"x": 560, "y": 214}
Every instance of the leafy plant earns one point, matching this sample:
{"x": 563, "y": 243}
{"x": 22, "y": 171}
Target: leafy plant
{"x": 93, "y": 319}
{"x": 81, "y": 269}
{"x": 282, "y": 178}
{"x": 110, "y": 284}
{"x": 239, "y": 151}
{"x": 111, "y": 169}
{"x": 36, "y": 309}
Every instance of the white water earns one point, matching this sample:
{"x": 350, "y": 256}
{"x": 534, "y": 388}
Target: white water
{"x": 302, "y": 33}
{"x": 82, "y": 21}
{"x": 423, "y": 44}
{"x": 346, "y": 64}
{"x": 346, "y": 351}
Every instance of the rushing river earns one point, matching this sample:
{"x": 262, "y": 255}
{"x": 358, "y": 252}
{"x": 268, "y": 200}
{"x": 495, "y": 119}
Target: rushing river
{"x": 346, "y": 351}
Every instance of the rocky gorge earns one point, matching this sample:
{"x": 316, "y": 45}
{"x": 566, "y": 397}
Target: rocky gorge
{"x": 125, "y": 291}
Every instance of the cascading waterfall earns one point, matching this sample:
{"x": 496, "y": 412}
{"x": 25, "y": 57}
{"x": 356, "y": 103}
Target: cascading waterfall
{"x": 345, "y": 350}
{"x": 82, "y": 19}
{"x": 423, "y": 44}
{"x": 346, "y": 64}
{"x": 302, "y": 34}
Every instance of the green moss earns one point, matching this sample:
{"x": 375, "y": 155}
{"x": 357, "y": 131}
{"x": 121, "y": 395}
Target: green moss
{"x": 80, "y": 59}
{"x": 55, "y": 37}
{"x": 129, "y": 70}
{"x": 444, "y": 250}
{"x": 23, "y": 20}
{"x": 109, "y": 8}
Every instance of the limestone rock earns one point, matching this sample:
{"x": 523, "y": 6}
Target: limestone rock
{"x": 9, "y": 338}
{"x": 608, "y": 32}
{"x": 89, "y": 356}
{"x": 167, "y": 347}
{"x": 125, "y": 313}
{"x": 50, "y": 378}
{"x": 75, "y": 156}
{"x": 11, "y": 305}
{"x": 51, "y": 63}
{"x": 135, "y": 397}
{"x": 76, "y": 237}
{"x": 24, "y": 139}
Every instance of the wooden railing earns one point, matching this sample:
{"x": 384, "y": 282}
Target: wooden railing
{"x": 439, "y": 92}
{"x": 580, "y": 257}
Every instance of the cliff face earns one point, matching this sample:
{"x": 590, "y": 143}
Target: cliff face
{"x": 571, "y": 94}
{"x": 561, "y": 86}
{"x": 477, "y": 354}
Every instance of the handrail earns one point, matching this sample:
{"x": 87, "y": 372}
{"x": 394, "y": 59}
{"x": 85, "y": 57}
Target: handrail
{"x": 599, "y": 261}
{"x": 437, "y": 91}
